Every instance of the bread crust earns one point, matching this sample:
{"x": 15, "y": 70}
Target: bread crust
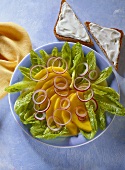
{"x": 69, "y": 39}
{"x": 120, "y": 31}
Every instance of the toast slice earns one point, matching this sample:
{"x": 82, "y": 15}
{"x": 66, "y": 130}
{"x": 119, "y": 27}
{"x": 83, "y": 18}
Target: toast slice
{"x": 108, "y": 39}
{"x": 69, "y": 28}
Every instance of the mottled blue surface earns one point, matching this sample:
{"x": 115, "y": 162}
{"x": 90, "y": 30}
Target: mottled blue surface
{"x": 20, "y": 152}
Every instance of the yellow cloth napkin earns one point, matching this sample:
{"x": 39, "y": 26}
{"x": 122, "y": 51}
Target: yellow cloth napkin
{"x": 15, "y": 44}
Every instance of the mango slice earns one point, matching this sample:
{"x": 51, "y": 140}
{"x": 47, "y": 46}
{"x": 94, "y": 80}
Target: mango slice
{"x": 42, "y": 73}
{"x": 75, "y": 102}
{"x": 54, "y": 104}
{"x": 50, "y": 78}
{"x": 71, "y": 126}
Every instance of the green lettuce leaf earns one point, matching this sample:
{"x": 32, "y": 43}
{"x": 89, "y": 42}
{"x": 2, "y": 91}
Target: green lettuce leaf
{"x": 102, "y": 90}
{"x": 24, "y": 108}
{"x": 66, "y": 54}
{"x": 93, "y": 121}
{"x": 25, "y": 71}
{"x": 91, "y": 60}
{"x": 108, "y": 103}
{"x": 92, "y": 115}
{"x": 22, "y": 85}
{"x": 27, "y": 117}
{"x": 78, "y": 58}
{"x": 41, "y": 131}
{"x": 55, "y": 52}
{"x": 76, "y": 49}
{"x": 35, "y": 59}
{"x": 22, "y": 102}
{"x": 101, "y": 118}
{"x": 88, "y": 135}
{"x": 104, "y": 75}
{"x": 45, "y": 57}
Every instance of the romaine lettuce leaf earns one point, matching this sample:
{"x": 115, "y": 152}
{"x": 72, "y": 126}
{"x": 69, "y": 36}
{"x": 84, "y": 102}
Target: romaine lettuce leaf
{"x": 17, "y": 87}
{"x": 77, "y": 58}
{"x": 91, "y": 60}
{"x": 25, "y": 71}
{"x": 88, "y": 135}
{"x": 45, "y": 57}
{"x": 55, "y": 52}
{"x": 92, "y": 115}
{"x": 101, "y": 118}
{"x": 93, "y": 121}
{"x": 103, "y": 75}
{"x": 22, "y": 102}
{"x": 27, "y": 117}
{"x": 24, "y": 108}
{"x": 76, "y": 49}
{"x": 41, "y": 131}
{"x": 102, "y": 90}
{"x": 35, "y": 59}
{"x": 108, "y": 103}
{"x": 66, "y": 54}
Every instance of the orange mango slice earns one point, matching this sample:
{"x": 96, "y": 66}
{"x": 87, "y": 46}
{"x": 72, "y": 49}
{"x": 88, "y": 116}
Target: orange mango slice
{"x": 84, "y": 125}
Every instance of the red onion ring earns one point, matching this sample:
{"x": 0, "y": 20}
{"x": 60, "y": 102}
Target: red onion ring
{"x": 44, "y": 94}
{"x": 85, "y": 87}
{"x": 85, "y": 100}
{"x": 95, "y": 104}
{"x": 86, "y": 69}
{"x": 40, "y": 118}
{"x": 53, "y": 129}
{"x": 47, "y": 107}
{"x": 62, "y": 123}
{"x": 61, "y": 103}
{"x": 62, "y": 93}
{"x": 56, "y": 84}
{"x": 59, "y": 72}
{"x": 44, "y": 78}
{"x": 80, "y": 115}
{"x": 96, "y": 75}
{"x": 48, "y": 62}
{"x": 81, "y": 118}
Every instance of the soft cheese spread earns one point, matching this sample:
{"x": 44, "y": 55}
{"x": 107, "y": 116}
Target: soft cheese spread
{"x": 69, "y": 26}
{"x": 109, "y": 39}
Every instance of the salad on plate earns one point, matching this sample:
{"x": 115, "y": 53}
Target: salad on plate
{"x": 65, "y": 93}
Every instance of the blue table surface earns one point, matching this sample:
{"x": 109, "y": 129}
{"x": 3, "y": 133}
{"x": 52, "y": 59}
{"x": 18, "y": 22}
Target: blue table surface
{"x": 21, "y": 152}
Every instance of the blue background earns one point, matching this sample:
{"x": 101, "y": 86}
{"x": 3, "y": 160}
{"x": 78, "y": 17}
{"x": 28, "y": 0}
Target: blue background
{"x": 19, "y": 151}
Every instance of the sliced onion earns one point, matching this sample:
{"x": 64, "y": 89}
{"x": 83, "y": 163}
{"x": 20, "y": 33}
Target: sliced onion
{"x": 81, "y": 118}
{"x": 49, "y": 124}
{"x": 84, "y": 114}
{"x": 95, "y": 74}
{"x": 41, "y": 111}
{"x": 43, "y": 78}
{"x": 94, "y": 102}
{"x": 82, "y": 87}
{"x": 44, "y": 94}
{"x": 54, "y": 117}
{"x": 86, "y": 69}
{"x": 63, "y": 100}
{"x": 51, "y": 59}
{"x": 40, "y": 118}
{"x": 83, "y": 93}
{"x": 62, "y": 93}
{"x": 60, "y": 65}
{"x": 63, "y": 83}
